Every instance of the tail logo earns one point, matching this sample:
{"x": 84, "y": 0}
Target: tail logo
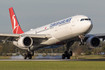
{"x": 13, "y": 17}
{"x": 14, "y": 21}
{"x": 15, "y": 24}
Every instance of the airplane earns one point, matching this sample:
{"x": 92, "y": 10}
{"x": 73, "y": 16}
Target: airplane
{"x": 53, "y": 35}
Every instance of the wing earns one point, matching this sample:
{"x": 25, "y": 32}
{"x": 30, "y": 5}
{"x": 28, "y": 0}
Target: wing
{"x": 100, "y": 35}
{"x": 12, "y": 37}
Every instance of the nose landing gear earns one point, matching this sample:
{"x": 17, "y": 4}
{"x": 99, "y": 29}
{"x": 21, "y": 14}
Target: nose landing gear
{"x": 81, "y": 37}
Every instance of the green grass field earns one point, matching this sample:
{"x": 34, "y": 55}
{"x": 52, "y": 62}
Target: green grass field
{"x": 52, "y": 65}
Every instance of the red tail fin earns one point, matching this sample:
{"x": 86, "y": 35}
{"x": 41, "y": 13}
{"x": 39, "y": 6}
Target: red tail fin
{"x": 15, "y": 25}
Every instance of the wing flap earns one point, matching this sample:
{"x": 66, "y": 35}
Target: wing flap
{"x": 11, "y": 37}
{"x": 37, "y": 35}
{"x": 8, "y": 36}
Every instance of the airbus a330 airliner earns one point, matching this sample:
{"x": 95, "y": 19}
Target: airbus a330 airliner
{"x": 65, "y": 31}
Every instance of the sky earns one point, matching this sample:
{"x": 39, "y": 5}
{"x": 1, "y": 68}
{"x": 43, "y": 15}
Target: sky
{"x": 35, "y": 13}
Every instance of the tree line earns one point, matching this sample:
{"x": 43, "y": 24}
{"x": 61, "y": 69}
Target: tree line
{"x": 10, "y": 48}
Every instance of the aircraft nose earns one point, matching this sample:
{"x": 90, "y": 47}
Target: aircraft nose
{"x": 88, "y": 26}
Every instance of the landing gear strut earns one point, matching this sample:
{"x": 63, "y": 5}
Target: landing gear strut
{"x": 68, "y": 53}
{"x": 81, "y": 37}
{"x": 29, "y": 55}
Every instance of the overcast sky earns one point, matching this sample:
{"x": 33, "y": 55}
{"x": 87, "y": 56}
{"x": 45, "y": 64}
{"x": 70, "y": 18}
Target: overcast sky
{"x": 36, "y": 13}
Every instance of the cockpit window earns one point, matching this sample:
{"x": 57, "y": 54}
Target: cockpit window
{"x": 85, "y": 19}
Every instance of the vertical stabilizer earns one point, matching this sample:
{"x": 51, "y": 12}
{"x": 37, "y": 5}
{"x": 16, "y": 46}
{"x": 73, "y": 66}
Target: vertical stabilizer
{"x": 15, "y": 25}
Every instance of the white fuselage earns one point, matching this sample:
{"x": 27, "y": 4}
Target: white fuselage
{"x": 64, "y": 29}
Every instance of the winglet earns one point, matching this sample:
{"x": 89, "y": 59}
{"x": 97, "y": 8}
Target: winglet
{"x": 15, "y": 25}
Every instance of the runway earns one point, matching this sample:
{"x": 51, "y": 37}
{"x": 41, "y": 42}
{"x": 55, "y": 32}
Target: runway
{"x": 52, "y": 59}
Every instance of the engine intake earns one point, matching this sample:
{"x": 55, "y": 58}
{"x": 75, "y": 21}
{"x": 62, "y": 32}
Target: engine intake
{"x": 93, "y": 41}
{"x": 25, "y": 41}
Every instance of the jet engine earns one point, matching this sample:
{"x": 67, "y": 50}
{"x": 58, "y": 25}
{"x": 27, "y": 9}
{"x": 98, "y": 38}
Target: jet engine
{"x": 93, "y": 41}
{"x": 25, "y": 41}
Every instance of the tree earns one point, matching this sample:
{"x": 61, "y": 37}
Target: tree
{"x": 103, "y": 48}
{"x": 88, "y": 52}
{"x": 1, "y": 49}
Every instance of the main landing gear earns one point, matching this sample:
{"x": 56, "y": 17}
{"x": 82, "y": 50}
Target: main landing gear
{"x": 29, "y": 55}
{"x": 68, "y": 53}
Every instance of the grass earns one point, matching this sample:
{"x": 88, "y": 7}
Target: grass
{"x": 52, "y": 65}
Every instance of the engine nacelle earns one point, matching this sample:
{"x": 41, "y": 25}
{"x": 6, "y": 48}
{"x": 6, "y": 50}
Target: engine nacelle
{"x": 25, "y": 41}
{"x": 93, "y": 41}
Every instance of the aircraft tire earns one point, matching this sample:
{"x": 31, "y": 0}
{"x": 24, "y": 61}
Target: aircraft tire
{"x": 25, "y": 56}
{"x": 30, "y": 57}
{"x": 68, "y": 57}
{"x": 63, "y": 56}
{"x": 71, "y": 53}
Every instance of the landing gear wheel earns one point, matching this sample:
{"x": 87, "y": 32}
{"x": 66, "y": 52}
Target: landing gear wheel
{"x": 65, "y": 52}
{"x": 30, "y": 57}
{"x": 68, "y": 53}
{"x": 68, "y": 57}
{"x": 71, "y": 53}
{"x": 63, "y": 56}
{"x": 29, "y": 54}
{"x": 25, "y": 56}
